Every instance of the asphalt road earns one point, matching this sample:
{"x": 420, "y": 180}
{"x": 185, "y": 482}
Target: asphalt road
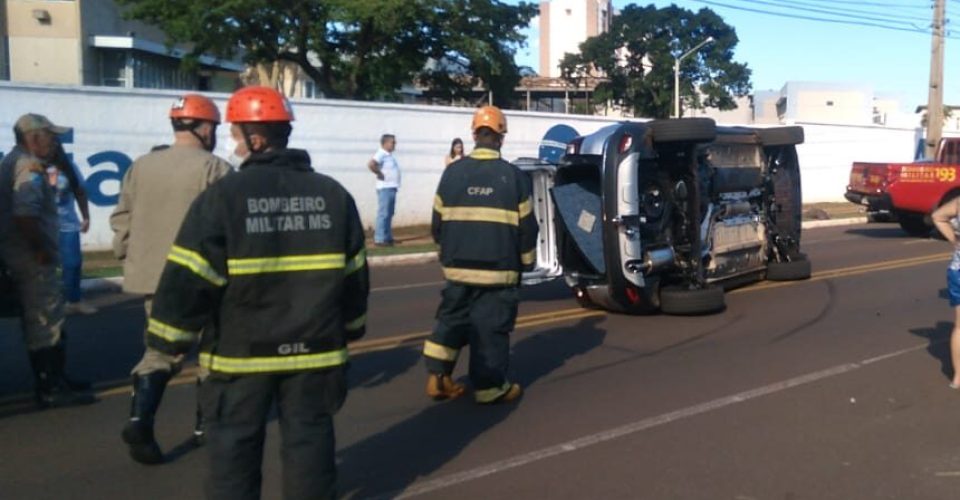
{"x": 833, "y": 388}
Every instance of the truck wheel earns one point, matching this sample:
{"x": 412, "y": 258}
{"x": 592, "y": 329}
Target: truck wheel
{"x": 799, "y": 269}
{"x": 914, "y": 224}
{"x": 682, "y": 301}
{"x": 684, "y": 130}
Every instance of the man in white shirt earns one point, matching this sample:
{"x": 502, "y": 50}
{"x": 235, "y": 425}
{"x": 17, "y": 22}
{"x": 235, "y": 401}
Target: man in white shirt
{"x": 385, "y": 167}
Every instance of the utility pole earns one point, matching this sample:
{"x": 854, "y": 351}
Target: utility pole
{"x": 935, "y": 97}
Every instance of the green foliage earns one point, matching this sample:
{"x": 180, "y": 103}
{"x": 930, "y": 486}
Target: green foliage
{"x": 636, "y": 59}
{"x": 359, "y": 49}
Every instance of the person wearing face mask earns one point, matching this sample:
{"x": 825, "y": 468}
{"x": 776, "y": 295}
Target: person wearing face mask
{"x": 29, "y": 234}
{"x": 269, "y": 273}
{"x": 156, "y": 193}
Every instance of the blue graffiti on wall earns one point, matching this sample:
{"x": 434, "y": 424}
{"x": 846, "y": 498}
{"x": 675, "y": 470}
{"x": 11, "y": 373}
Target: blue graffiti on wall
{"x": 115, "y": 166}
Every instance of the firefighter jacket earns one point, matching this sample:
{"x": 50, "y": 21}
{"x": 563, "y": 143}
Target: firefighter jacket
{"x": 270, "y": 265}
{"x": 484, "y": 222}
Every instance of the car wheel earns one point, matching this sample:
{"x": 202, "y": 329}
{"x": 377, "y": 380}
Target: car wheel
{"x": 683, "y": 301}
{"x": 684, "y": 130}
{"x": 914, "y": 224}
{"x": 789, "y": 201}
{"x": 799, "y": 269}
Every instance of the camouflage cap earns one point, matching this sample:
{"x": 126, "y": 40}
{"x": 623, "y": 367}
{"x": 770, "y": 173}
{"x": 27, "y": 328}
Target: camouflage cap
{"x": 31, "y": 121}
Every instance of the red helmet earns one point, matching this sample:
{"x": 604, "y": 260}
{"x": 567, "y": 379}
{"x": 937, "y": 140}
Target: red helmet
{"x": 258, "y": 104}
{"x": 195, "y": 107}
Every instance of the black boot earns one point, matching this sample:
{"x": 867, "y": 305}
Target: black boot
{"x": 51, "y": 389}
{"x": 61, "y": 350}
{"x": 138, "y": 433}
{"x": 199, "y": 428}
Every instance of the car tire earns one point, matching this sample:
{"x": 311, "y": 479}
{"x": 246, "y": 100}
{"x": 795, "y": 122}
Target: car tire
{"x": 681, "y": 301}
{"x": 794, "y": 270}
{"x": 786, "y": 190}
{"x": 684, "y": 130}
{"x": 780, "y": 136}
{"x": 914, "y": 224}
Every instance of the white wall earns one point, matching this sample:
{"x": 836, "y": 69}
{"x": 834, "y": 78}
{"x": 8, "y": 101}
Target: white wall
{"x": 114, "y": 126}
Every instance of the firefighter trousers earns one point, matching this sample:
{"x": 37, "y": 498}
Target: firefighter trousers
{"x": 154, "y": 360}
{"x": 482, "y": 317}
{"x": 237, "y": 409}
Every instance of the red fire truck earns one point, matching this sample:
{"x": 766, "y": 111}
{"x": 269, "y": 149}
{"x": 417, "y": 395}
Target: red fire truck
{"x": 908, "y": 192}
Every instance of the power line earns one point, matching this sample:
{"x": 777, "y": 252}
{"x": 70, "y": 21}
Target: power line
{"x": 877, "y": 4}
{"x": 821, "y": 19}
{"x": 792, "y": 5}
{"x": 845, "y": 11}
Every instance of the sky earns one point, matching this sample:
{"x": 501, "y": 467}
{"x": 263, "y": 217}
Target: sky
{"x": 781, "y": 49}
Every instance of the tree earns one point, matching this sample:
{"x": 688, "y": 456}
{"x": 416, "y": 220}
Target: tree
{"x": 635, "y": 60}
{"x": 356, "y": 49}
{"x": 947, "y": 115}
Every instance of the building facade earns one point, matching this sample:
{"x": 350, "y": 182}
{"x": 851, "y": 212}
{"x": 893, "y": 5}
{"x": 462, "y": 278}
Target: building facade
{"x": 88, "y": 42}
{"x": 565, "y": 24}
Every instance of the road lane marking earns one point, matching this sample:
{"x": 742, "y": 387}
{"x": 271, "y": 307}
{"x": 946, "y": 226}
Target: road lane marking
{"x": 637, "y": 426}
{"x": 850, "y": 271}
{"x": 189, "y": 374}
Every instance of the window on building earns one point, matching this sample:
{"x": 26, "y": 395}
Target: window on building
{"x": 829, "y": 103}
{"x": 113, "y": 68}
{"x": 310, "y": 89}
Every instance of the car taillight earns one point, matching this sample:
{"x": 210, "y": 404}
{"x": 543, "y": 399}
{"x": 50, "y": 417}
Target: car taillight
{"x": 625, "y": 142}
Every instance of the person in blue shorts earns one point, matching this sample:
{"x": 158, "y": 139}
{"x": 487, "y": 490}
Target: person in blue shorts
{"x": 946, "y": 220}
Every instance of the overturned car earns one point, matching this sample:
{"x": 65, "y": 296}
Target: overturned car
{"x": 666, "y": 215}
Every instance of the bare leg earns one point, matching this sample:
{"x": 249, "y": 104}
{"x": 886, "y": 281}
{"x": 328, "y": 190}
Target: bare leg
{"x": 955, "y": 347}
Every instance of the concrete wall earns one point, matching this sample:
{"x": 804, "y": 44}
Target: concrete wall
{"x": 44, "y": 52}
{"x": 114, "y": 126}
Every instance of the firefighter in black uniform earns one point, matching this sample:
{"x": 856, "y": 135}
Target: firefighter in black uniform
{"x": 483, "y": 220}
{"x": 273, "y": 258}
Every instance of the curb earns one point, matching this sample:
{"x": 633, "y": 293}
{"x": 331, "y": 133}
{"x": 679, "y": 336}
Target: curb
{"x": 401, "y": 260}
{"x": 114, "y": 285}
{"x": 102, "y": 285}
{"x": 813, "y": 224}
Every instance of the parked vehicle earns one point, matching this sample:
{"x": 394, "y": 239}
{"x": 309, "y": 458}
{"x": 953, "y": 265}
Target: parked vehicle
{"x": 665, "y": 215}
{"x": 907, "y": 192}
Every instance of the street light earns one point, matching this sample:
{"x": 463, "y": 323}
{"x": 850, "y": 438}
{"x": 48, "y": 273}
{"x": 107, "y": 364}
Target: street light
{"x": 676, "y": 75}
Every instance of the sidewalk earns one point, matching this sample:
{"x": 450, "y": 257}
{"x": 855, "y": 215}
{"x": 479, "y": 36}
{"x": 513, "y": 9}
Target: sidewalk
{"x": 414, "y": 245}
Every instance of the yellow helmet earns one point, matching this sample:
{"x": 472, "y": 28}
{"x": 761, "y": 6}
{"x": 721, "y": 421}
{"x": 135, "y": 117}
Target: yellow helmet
{"x": 491, "y": 117}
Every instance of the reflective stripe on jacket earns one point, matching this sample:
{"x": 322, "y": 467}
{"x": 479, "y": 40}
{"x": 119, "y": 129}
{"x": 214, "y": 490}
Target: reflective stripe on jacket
{"x": 484, "y": 222}
{"x": 269, "y": 268}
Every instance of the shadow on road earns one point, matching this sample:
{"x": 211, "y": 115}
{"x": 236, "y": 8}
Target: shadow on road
{"x": 378, "y": 368}
{"x": 938, "y": 338}
{"x": 886, "y": 232}
{"x": 390, "y": 461}
{"x": 546, "y": 292}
